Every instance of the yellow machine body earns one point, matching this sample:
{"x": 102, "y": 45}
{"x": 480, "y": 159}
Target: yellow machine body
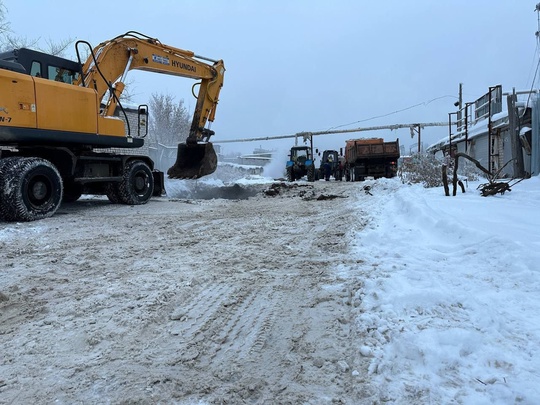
{"x": 44, "y": 104}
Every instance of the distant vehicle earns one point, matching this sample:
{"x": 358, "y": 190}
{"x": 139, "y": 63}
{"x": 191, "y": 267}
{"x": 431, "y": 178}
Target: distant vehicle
{"x": 335, "y": 160}
{"x": 370, "y": 158}
{"x": 301, "y": 163}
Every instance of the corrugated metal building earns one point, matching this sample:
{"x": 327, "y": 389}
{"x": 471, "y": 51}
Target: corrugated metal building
{"x": 500, "y": 130}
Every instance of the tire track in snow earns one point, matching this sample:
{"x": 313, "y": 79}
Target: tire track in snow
{"x": 264, "y": 320}
{"x": 191, "y": 321}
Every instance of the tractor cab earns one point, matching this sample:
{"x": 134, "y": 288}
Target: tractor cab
{"x": 300, "y": 154}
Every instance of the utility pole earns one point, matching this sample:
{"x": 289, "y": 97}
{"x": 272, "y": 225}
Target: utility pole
{"x": 459, "y": 105}
{"x": 419, "y": 144}
{"x": 416, "y": 129}
{"x": 514, "y": 135}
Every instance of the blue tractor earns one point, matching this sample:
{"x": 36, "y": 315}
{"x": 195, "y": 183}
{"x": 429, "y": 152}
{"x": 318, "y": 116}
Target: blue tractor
{"x": 301, "y": 163}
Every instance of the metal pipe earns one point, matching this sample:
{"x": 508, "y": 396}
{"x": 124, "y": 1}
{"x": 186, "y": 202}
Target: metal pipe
{"x": 205, "y": 58}
{"x": 341, "y": 131}
{"x": 535, "y": 91}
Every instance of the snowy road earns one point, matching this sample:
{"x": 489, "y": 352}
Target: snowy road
{"x": 394, "y": 295}
{"x": 220, "y": 301}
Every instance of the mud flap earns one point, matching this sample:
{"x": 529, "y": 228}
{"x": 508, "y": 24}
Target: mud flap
{"x": 159, "y": 183}
{"x": 194, "y": 161}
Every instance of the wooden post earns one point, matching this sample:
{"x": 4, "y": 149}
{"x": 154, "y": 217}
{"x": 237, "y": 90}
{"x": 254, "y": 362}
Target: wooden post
{"x": 419, "y": 143}
{"x": 445, "y": 181}
{"x": 517, "y": 153}
{"x": 454, "y": 178}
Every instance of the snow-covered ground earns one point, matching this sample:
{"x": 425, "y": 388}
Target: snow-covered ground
{"x": 452, "y": 302}
{"x": 324, "y": 293}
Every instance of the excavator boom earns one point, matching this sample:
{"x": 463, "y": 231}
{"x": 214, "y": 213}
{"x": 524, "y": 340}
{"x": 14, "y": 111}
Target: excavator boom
{"x": 107, "y": 66}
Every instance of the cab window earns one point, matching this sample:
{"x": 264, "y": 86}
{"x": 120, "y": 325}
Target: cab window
{"x": 35, "y": 70}
{"x": 61, "y": 74}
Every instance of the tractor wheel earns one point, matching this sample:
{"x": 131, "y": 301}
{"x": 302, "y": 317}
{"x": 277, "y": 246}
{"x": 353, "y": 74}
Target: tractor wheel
{"x": 290, "y": 174}
{"x": 137, "y": 185}
{"x": 31, "y": 189}
{"x": 311, "y": 173}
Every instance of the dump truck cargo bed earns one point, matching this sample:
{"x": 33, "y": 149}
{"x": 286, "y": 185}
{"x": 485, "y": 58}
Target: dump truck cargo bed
{"x": 371, "y": 158}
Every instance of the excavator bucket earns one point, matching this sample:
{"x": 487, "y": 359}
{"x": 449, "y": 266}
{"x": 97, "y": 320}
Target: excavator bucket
{"x": 193, "y": 161}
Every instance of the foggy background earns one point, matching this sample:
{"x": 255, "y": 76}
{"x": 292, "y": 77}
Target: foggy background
{"x": 315, "y": 65}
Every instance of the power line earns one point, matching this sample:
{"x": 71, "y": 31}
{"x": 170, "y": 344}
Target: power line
{"x": 394, "y": 112}
{"x": 334, "y": 130}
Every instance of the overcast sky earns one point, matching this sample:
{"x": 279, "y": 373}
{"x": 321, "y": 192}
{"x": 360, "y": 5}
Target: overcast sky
{"x": 312, "y": 65}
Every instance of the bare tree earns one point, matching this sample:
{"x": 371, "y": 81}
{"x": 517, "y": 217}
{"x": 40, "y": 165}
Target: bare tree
{"x": 57, "y": 48}
{"x": 9, "y": 40}
{"x": 169, "y": 121}
{"x": 4, "y": 24}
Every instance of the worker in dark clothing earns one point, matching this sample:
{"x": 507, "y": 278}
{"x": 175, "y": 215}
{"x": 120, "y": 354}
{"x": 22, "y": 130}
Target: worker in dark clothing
{"x": 327, "y": 170}
{"x": 339, "y": 174}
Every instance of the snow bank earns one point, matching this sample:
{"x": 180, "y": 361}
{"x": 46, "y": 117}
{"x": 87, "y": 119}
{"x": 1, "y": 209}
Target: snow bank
{"x": 451, "y": 303}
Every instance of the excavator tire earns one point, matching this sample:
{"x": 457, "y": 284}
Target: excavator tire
{"x": 30, "y": 189}
{"x": 3, "y": 164}
{"x": 137, "y": 185}
{"x": 194, "y": 161}
{"x": 112, "y": 192}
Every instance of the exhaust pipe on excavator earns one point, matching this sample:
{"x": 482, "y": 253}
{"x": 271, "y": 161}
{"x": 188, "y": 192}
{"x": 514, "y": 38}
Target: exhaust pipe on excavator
{"x": 193, "y": 160}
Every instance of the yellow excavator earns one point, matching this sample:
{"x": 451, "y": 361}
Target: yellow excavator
{"x": 57, "y": 117}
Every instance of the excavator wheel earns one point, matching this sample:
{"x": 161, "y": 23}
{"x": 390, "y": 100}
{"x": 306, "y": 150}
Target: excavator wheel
{"x": 193, "y": 161}
{"x": 112, "y": 192}
{"x": 31, "y": 188}
{"x": 137, "y": 185}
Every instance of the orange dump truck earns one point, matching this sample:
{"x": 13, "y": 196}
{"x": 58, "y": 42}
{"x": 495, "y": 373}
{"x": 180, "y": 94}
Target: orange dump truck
{"x": 370, "y": 158}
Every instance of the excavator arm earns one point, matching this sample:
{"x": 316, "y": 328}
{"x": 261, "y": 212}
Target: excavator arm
{"x": 107, "y": 66}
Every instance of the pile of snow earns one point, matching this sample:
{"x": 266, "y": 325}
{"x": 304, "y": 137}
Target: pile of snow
{"x": 451, "y": 302}
{"x": 226, "y": 177}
